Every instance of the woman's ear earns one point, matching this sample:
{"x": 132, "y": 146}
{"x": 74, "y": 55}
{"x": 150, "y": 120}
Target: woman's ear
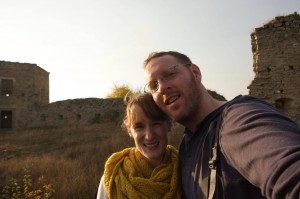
{"x": 129, "y": 133}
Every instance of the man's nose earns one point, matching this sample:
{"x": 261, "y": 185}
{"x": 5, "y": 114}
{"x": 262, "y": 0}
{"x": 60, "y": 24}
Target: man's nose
{"x": 162, "y": 86}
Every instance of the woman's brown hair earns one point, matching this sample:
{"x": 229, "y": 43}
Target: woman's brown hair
{"x": 147, "y": 104}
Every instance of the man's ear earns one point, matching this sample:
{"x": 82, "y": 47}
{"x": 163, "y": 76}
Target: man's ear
{"x": 196, "y": 71}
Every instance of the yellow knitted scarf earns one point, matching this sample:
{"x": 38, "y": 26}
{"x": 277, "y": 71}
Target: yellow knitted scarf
{"x": 127, "y": 174}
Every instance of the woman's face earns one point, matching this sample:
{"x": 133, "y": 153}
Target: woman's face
{"x": 150, "y": 136}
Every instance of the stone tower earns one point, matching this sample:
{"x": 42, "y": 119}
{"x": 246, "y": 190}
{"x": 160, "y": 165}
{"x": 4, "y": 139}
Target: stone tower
{"x": 276, "y": 64}
{"x": 22, "y": 86}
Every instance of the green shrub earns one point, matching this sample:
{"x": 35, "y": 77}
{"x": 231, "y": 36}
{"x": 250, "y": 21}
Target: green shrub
{"x": 27, "y": 189}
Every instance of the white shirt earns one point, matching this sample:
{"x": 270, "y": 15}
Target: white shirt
{"x": 101, "y": 194}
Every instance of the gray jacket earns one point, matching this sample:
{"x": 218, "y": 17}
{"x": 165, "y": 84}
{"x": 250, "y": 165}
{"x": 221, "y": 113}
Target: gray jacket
{"x": 258, "y": 155}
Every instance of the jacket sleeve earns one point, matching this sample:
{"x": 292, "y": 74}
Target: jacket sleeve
{"x": 101, "y": 194}
{"x": 264, "y": 147}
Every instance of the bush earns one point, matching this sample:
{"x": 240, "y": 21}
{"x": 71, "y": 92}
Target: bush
{"x": 27, "y": 189}
{"x": 71, "y": 159}
{"x": 120, "y": 92}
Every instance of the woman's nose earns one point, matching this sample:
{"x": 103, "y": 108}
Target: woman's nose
{"x": 149, "y": 133}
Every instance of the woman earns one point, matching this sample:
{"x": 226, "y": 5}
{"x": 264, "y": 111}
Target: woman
{"x": 150, "y": 169}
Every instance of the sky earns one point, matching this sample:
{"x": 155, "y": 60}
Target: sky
{"x": 91, "y": 46}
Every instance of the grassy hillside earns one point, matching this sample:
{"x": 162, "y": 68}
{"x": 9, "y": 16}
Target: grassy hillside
{"x": 71, "y": 159}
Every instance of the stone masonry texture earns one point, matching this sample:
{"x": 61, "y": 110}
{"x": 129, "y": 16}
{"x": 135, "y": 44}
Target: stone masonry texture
{"x": 24, "y": 101}
{"x": 24, "y": 87}
{"x": 276, "y": 64}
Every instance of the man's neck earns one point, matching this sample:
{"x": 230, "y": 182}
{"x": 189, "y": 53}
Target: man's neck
{"x": 206, "y": 107}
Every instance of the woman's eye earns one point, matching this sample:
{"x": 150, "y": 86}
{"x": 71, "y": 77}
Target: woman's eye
{"x": 138, "y": 127}
{"x": 157, "y": 123}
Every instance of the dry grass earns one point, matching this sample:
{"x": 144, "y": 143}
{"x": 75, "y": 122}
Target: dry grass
{"x": 72, "y": 159}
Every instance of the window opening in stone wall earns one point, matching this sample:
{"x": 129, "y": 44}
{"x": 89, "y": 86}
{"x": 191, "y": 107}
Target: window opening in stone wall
{"x": 269, "y": 69}
{"x": 5, "y": 119}
{"x": 61, "y": 117}
{"x": 283, "y": 104}
{"x": 6, "y": 87}
{"x": 278, "y": 91}
{"x": 78, "y": 116}
{"x": 291, "y": 67}
{"x": 97, "y": 118}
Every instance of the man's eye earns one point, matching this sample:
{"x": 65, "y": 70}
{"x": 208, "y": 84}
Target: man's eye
{"x": 153, "y": 85}
{"x": 170, "y": 75}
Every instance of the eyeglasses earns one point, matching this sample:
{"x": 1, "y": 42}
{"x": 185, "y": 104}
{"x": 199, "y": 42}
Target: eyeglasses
{"x": 166, "y": 76}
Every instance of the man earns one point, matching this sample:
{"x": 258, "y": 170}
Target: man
{"x": 253, "y": 147}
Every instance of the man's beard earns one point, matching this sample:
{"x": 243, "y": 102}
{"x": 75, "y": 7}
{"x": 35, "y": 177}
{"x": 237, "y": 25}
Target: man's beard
{"x": 191, "y": 104}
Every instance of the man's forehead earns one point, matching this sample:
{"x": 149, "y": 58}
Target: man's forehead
{"x": 165, "y": 61}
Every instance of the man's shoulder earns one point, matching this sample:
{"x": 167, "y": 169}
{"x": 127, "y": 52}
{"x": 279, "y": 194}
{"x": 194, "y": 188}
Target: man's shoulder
{"x": 245, "y": 98}
{"x": 244, "y": 101}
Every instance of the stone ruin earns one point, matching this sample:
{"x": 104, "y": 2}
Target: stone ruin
{"x": 24, "y": 97}
{"x": 276, "y": 64}
{"x": 24, "y": 101}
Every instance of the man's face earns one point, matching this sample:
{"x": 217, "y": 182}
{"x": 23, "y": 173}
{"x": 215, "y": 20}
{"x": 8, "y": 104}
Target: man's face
{"x": 176, "y": 86}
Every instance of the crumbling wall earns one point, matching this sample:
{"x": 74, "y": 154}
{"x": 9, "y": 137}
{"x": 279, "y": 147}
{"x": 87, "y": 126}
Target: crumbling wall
{"x": 276, "y": 64}
{"x": 21, "y": 86}
{"x": 24, "y": 101}
{"x": 77, "y": 112}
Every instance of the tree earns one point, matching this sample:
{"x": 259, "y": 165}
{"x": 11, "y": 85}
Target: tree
{"x": 120, "y": 92}
{"x": 216, "y": 95}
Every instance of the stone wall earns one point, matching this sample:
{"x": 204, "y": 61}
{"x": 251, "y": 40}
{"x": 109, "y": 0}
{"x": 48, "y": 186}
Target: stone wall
{"x": 24, "y": 88}
{"x": 76, "y": 112}
{"x": 21, "y": 86}
{"x": 24, "y": 102}
{"x": 276, "y": 64}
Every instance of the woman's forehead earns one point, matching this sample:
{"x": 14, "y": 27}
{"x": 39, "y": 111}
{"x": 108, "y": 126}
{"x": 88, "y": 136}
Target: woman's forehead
{"x": 136, "y": 112}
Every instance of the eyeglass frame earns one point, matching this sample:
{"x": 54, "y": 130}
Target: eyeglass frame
{"x": 165, "y": 78}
